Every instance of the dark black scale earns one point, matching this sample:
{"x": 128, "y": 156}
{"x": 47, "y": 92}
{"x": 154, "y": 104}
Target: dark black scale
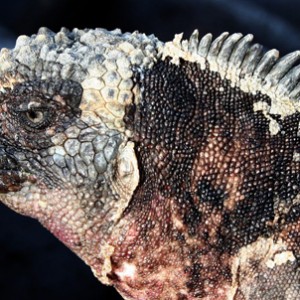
{"x": 180, "y": 108}
{"x": 208, "y": 193}
{"x": 195, "y": 283}
{"x": 192, "y": 216}
{"x": 294, "y": 214}
{"x": 176, "y": 116}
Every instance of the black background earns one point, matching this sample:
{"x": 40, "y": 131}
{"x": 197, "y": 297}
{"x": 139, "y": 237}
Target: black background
{"x": 33, "y": 264}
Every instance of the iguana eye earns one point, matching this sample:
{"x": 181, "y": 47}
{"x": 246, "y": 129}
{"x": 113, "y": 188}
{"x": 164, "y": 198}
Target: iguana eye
{"x": 36, "y": 118}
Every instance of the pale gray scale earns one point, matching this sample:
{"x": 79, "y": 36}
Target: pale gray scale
{"x": 83, "y": 58}
{"x": 58, "y": 171}
{"x": 22, "y": 69}
{"x": 46, "y": 31}
{"x": 67, "y": 71}
{"x": 27, "y": 56}
{"x": 77, "y": 179}
{"x": 113, "y": 133}
{"x": 43, "y": 153}
{"x": 92, "y": 172}
{"x": 47, "y": 54}
{"x": 92, "y": 123}
{"x": 227, "y": 48}
{"x": 72, "y": 132}
{"x": 204, "y": 45}
{"x": 42, "y": 161}
{"x": 112, "y": 78}
{"x": 194, "y": 41}
{"x": 295, "y": 93}
{"x": 100, "y": 142}
{"x": 56, "y": 68}
{"x": 239, "y": 52}
{"x": 97, "y": 63}
{"x": 80, "y": 166}
{"x": 59, "y": 160}
{"x": 39, "y": 68}
{"x": 73, "y": 180}
{"x": 216, "y": 46}
{"x": 78, "y": 75}
{"x": 251, "y": 59}
{"x": 48, "y": 87}
{"x": 87, "y": 152}
{"x": 87, "y": 135}
{"x": 36, "y": 42}
{"x": 283, "y": 65}
{"x": 289, "y": 81}
{"x": 71, "y": 164}
{"x": 100, "y": 163}
{"x": 58, "y": 139}
{"x": 111, "y": 149}
{"x": 66, "y": 173}
{"x": 72, "y": 146}
{"x": 49, "y": 160}
{"x": 61, "y": 40}
{"x": 266, "y": 63}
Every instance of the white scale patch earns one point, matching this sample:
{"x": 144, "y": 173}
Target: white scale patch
{"x": 280, "y": 259}
{"x": 127, "y": 271}
{"x": 274, "y": 127}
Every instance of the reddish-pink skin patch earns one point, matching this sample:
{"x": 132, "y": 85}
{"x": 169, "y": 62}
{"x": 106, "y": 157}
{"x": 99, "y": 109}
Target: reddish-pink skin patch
{"x": 63, "y": 232}
{"x": 160, "y": 261}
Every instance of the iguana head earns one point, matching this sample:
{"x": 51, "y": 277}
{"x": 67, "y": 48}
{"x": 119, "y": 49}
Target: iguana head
{"x": 171, "y": 169}
{"x": 66, "y": 158}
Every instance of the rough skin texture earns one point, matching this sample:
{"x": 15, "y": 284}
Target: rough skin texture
{"x": 172, "y": 169}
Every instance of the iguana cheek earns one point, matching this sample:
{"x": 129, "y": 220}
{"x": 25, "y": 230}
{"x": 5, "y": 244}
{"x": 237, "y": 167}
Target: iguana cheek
{"x": 59, "y": 212}
{"x": 65, "y": 233}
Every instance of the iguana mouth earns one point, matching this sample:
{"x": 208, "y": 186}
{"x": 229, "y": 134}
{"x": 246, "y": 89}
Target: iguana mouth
{"x": 11, "y": 174}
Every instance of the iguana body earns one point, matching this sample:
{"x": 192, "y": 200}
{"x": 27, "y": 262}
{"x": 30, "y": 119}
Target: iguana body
{"x": 171, "y": 169}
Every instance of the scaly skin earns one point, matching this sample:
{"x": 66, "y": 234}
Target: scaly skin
{"x": 171, "y": 169}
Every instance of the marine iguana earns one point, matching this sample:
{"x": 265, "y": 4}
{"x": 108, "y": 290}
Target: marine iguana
{"x": 172, "y": 169}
